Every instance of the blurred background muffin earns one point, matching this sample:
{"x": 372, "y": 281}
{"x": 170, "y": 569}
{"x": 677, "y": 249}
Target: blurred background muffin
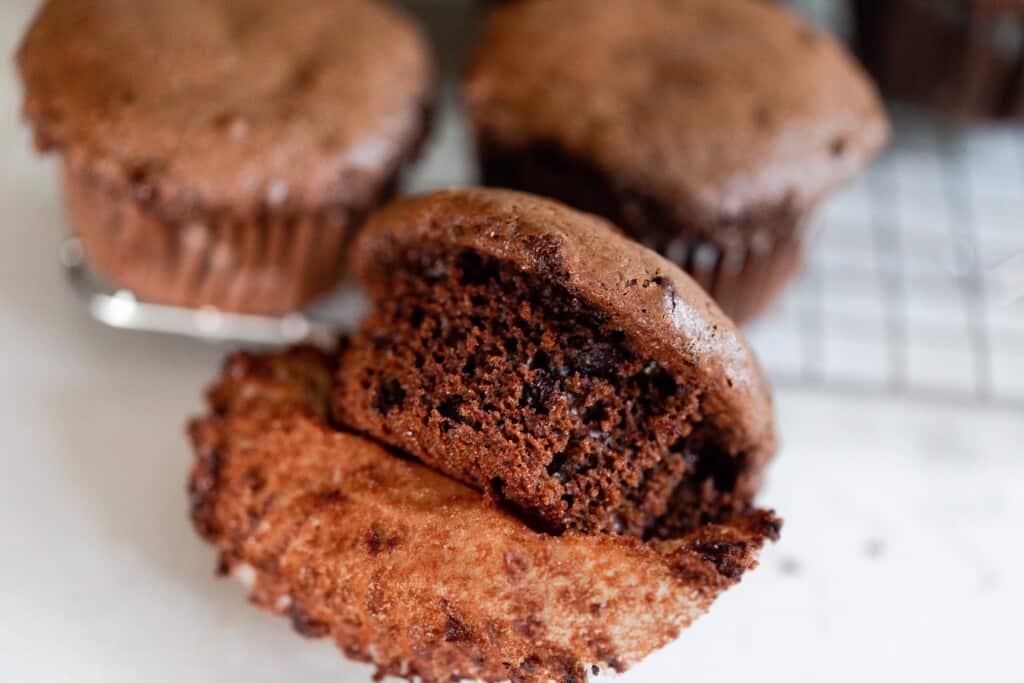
{"x": 225, "y": 162}
{"x": 964, "y": 57}
{"x": 706, "y": 130}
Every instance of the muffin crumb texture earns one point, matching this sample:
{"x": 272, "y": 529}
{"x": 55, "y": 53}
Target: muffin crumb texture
{"x": 533, "y": 352}
{"x": 481, "y": 356}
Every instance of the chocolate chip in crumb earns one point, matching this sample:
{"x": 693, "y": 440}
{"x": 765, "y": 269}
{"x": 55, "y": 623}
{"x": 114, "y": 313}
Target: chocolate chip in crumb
{"x": 540, "y": 361}
{"x": 599, "y": 360}
{"x": 532, "y": 396}
{"x": 390, "y": 395}
{"x": 455, "y": 630}
{"x": 450, "y": 408}
{"x": 595, "y": 413}
{"x": 475, "y": 270}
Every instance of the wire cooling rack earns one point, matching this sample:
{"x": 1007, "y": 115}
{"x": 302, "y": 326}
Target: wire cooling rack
{"x": 915, "y": 280}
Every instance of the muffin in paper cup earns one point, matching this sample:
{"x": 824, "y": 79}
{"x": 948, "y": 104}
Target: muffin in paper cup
{"x": 223, "y": 153}
{"x": 706, "y": 130}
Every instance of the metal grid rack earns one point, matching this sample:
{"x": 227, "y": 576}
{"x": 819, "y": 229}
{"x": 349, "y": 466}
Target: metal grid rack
{"x": 915, "y": 282}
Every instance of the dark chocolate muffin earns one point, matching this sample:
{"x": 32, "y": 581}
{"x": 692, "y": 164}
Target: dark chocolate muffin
{"x": 963, "y": 57}
{"x": 416, "y": 573}
{"x": 221, "y": 152}
{"x": 705, "y": 129}
{"x": 534, "y": 352}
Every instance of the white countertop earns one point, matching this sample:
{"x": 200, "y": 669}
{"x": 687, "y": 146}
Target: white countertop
{"x": 899, "y": 561}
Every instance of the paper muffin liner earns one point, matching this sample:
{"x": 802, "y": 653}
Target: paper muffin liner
{"x": 268, "y": 262}
{"x": 744, "y": 279}
{"x": 962, "y": 57}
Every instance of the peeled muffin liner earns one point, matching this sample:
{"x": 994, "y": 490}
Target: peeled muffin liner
{"x": 964, "y": 58}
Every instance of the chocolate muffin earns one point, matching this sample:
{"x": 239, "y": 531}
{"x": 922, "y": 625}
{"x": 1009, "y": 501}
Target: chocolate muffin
{"x": 705, "y": 129}
{"x": 222, "y": 152}
{"x": 963, "y": 57}
{"x": 534, "y": 352}
{"x": 415, "y": 573}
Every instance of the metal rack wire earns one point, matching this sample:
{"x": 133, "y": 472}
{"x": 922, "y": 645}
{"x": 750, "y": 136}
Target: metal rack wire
{"x": 915, "y": 285}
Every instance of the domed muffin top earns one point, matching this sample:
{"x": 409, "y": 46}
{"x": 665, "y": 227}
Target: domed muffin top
{"x": 710, "y": 107}
{"x": 228, "y": 101}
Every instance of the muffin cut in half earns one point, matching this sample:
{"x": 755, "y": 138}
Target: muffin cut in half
{"x": 222, "y": 152}
{"x": 707, "y": 130}
{"x": 418, "y": 574}
{"x": 534, "y": 352}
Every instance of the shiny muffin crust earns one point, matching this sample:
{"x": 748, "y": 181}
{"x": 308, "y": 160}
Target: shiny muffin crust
{"x": 415, "y": 573}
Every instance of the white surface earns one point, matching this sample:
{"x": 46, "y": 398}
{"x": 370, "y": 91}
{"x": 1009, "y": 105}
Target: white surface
{"x": 900, "y": 558}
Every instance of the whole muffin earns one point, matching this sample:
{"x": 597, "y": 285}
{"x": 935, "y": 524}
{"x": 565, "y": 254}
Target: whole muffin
{"x": 222, "y": 152}
{"x": 705, "y": 129}
{"x": 533, "y": 352}
{"x": 963, "y": 57}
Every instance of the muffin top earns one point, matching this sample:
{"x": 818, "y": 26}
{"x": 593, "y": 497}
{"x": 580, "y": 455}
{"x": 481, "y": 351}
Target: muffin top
{"x": 664, "y": 314}
{"x": 711, "y": 107}
{"x": 228, "y": 102}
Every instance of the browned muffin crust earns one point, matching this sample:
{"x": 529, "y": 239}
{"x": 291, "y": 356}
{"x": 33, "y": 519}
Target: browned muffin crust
{"x": 681, "y": 99}
{"x": 415, "y": 573}
{"x": 532, "y": 351}
{"x": 963, "y": 57}
{"x": 705, "y": 129}
{"x": 225, "y": 162}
